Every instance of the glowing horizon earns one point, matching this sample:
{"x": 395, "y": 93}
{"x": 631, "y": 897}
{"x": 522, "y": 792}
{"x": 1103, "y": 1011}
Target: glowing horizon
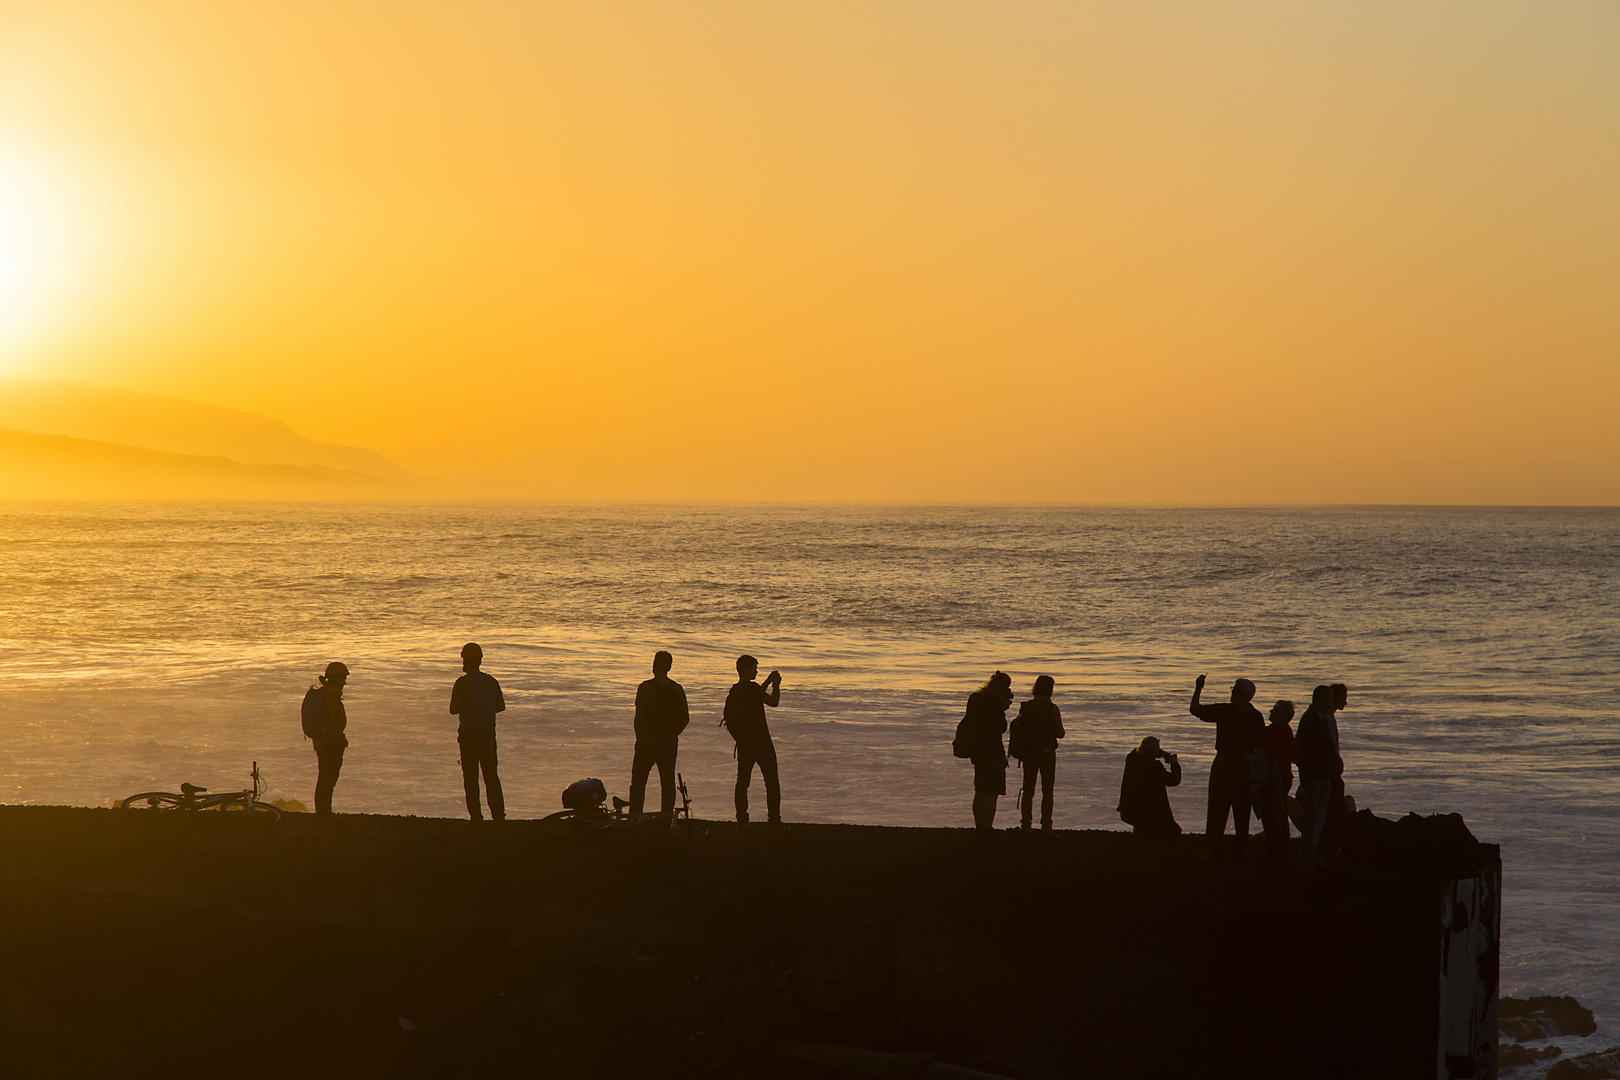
{"x": 837, "y": 252}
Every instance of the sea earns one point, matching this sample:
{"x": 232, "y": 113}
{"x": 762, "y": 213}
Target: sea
{"x": 146, "y": 645}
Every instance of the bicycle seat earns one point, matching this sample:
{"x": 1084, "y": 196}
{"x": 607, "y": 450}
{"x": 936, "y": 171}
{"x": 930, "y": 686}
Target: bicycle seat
{"x": 618, "y": 803}
{"x": 190, "y": 789}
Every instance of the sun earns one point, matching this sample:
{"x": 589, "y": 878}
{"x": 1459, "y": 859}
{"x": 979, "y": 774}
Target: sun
{"x": 41, "y": 244}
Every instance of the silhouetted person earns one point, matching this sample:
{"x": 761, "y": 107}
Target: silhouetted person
{"x": 987, "y": 710}
{"x": 1144, "y": 804}
{"x": 1316, "y": 755}
{"x": 661, "y": 716}
{"x": 1237, "y": 726}
{"x": 745, "y": 718}
{"x": 476, "y": 698}
{"x": 1042, "y": 728}
{"x": 331, "y": 741}
{"x": 1338, "y": 807}
{"x": 1271, "y": 775}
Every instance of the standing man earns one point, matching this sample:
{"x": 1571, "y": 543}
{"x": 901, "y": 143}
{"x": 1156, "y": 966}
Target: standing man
{"x": 661, "y": 716}
{"x": 745, "y": 719}
{"x": 1316, "y": 755}
{"x": 1238, "y": 725}
{"x": 1338, "y": 807}
{"x": 476, "y": 698}
{"x": 324, "y": 722}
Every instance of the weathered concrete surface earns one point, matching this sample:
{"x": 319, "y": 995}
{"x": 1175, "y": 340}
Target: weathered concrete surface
{"x": 376, "y": 946}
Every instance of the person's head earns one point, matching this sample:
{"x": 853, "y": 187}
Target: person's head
{"x": 747, "y": 667}
{"x": 1282, "y": 712}
{"x": 1149, "y": 747}
{"x": 472, "y": 655}
{"x": 1341, "y": 695}
{"x": 1322, "y": 698}
{"x": 662, "y": 662}
{"x": 999, "y": 687}
{"x": 1043, "y": 686}
{"x": 336, "y": 676}
{"x": 1242, "y": 692}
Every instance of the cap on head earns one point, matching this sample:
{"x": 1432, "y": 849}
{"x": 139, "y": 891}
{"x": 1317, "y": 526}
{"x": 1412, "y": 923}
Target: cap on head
{"x": 472, "y": 651}
{"x": 336, "y": 671}
{"x": 746, "y": 663}
{"x": 662, "y": 662}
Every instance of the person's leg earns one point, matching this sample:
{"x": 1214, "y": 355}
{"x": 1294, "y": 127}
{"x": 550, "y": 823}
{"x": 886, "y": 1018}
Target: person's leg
{"x": 329, "y": 761}
{"x": 1238, "y": 787}
{"x": 745, "y": 773}
{"x": 1313, "y": 797}
{"x": 1220, "y": 801}
{"x": 469, "y": 775}
{"x": 773, "y": 781}
{"x": 666, "y": 777}
{"x": 1048, "y": 775}
{"x": 640, "y": 765}
{"x": 492, "y": 780}
{"x": 1026, "y": 798}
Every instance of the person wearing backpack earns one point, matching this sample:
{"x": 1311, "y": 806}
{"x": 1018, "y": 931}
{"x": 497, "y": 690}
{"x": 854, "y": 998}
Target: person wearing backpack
{"x": 744, "y": 717}
{"x": 476, "y": 698}
{"x": 982, "y": 726}
{"x": 661, "y": 716}
{"x": 324, "y": 723}
{"x": 1038, "y": 726}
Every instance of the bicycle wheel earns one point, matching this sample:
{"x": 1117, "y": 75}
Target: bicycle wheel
{"x": 153, "y": 800}
{"x": 259, "y": 811}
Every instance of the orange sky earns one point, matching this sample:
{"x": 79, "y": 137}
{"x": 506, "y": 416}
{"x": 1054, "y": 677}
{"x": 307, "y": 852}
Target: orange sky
{"x": 931, "y": 251}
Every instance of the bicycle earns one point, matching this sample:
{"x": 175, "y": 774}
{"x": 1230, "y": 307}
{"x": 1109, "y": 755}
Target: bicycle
{"x": 599, "y": 821}
{"x": 192, "y": 797}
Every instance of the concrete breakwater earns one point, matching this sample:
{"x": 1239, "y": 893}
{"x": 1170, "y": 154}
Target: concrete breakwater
{"x": 381, "y": 946}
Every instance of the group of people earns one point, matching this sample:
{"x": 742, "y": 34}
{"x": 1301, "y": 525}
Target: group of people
{"x": 661, "y": 715}
{"x": 1253, "y": 769}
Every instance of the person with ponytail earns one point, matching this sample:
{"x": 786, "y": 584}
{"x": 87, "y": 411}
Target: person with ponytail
{"x": 330, "y": 742}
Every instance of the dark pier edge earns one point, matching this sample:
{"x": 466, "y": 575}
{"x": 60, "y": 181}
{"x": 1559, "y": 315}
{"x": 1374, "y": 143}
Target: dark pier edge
{"x": 380, "y": 946}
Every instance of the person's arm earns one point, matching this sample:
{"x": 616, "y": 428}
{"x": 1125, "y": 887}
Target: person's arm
{"x": 773, "y": 689}
{"x": 1195, "y": 707}
{"x": 683, "y": 714}
{"x": 500, "y": 698}
{"x": 1173, "y": 778}
{"x": 455, "y": 696}
{"x": 1057, "y": 721}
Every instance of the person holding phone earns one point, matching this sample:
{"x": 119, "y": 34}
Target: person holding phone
{"x": 745, "y": 718}
{"x": 1144, "y": 802}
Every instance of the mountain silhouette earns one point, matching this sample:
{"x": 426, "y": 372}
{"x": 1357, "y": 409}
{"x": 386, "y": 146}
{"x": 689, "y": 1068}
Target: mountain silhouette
{"x": 54, "y": 467}
{"x": 175, "y": 426}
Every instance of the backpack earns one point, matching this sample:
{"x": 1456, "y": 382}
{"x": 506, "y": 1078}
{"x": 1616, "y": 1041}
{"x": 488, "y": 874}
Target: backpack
{"x": 967, "y": 736}
{"x": 584, "y": 794}
{"x": 1018, "y": 738}
{"x": 314, "y": 713}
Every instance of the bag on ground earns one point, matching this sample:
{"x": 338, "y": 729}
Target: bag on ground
{"x": 584, "y": 794}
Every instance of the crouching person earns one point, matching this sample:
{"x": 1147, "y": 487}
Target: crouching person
{"x": 1144, "y": 803}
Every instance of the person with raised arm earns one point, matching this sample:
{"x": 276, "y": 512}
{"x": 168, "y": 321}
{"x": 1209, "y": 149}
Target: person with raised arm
{"x": 661, "y": 716}
{"x": 476, "y": 698}
{"x": 1238, "y": 725}
{"x": 744, "y": 717}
